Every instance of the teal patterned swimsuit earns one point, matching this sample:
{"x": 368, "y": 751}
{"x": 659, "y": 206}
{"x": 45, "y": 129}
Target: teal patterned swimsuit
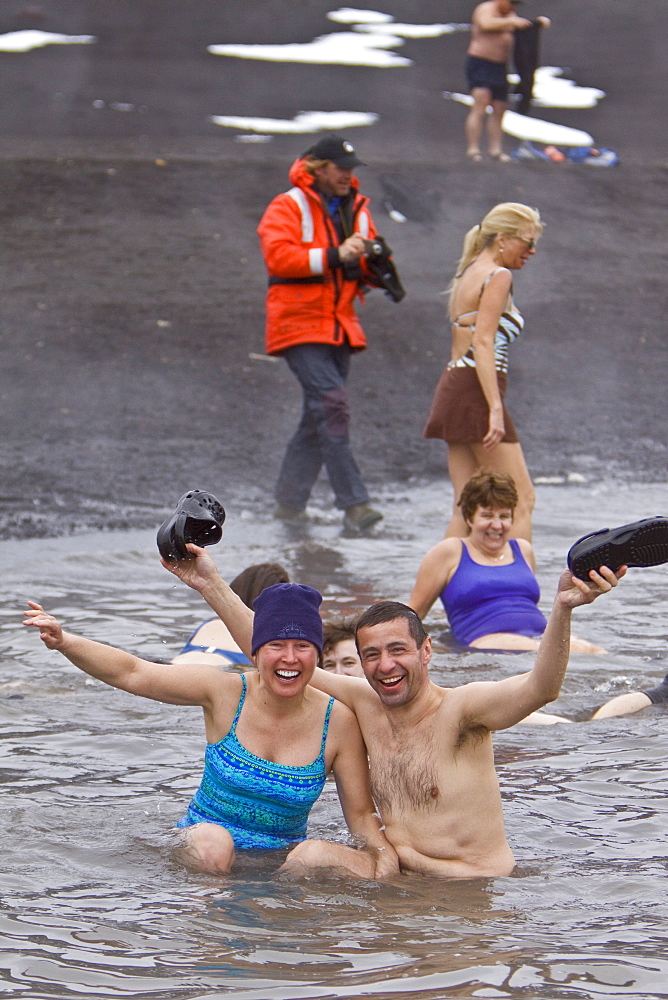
{"x": 261, "y": 804}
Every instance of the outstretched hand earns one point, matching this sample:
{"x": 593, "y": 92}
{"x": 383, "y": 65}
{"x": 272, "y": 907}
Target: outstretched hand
{"x": 50, "y": 631}
{"x": 196, "y": 573}
{"x": 574, "y": 593}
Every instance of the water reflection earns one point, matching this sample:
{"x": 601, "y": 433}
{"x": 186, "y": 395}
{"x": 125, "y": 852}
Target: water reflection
{"x": 93, "y": 779}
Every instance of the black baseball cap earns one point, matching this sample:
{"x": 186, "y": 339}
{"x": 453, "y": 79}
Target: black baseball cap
{"x": 337, "y": 149}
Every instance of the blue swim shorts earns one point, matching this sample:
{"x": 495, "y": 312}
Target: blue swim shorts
{"x": 490, "y": 75}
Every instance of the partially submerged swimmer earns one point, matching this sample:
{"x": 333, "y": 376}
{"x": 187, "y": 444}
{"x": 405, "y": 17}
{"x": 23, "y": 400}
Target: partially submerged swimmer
{"x": 487, "y": 580}
{"x": 622, "y": 704}
{"x": 339, "y": 653}
{"x": 271, "y": 740}
{"x": 429, "y": 748}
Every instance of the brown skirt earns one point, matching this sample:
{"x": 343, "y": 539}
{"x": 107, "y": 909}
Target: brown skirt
{"x": 459, "y": 411}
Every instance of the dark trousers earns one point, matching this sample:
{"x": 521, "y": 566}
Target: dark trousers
{"x": 322, "y": 435}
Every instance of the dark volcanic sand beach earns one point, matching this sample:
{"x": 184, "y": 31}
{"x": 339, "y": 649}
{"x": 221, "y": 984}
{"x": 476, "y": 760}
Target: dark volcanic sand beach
{"x": 133, "y": 288}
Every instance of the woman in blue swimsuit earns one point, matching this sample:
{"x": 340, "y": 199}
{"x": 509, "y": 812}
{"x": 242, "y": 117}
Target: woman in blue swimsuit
{"x": 468, "y": 410}
{"x": 271, "y": 738}
{"x": 486, "y": 580}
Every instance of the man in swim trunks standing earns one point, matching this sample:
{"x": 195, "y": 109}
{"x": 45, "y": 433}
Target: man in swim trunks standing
{"x": 493, "y": 27}
{"x": 430, "y": 749}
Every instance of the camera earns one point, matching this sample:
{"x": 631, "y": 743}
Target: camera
{"x": 375, "y": 248}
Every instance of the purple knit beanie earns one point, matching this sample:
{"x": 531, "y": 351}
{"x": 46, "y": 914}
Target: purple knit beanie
{"x": 287, "y": 611}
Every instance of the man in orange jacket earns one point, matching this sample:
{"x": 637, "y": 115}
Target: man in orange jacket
{"x": 313, "y": 242}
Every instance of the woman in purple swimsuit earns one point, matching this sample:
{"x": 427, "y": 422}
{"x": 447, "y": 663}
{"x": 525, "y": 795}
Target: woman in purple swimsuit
{"x": 486, "y": 580}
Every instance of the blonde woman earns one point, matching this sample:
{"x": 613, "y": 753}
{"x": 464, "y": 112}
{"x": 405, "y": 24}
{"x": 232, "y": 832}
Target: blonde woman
{"x": 468, "y": 410}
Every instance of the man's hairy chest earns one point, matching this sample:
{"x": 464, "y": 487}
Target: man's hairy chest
{"x": 409, "y": 769}
{"x": 404, "y": 778}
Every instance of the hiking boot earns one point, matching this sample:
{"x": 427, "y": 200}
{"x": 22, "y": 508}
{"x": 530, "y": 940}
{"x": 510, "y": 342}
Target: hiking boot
{"x": 360, "y": 516}
{"x": 283, "y": 513}
{"x": 643, "y": 543}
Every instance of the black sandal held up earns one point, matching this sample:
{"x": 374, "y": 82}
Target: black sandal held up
{"x": 643, "y": 543}
{"x": 198, "y": 518}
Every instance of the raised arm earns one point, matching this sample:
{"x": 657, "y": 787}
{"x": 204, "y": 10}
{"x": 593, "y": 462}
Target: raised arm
{"x": 201, "y": 574}
{"x": 434, "y": 574}
{"x": 199, "y": 685}
{"x": 501, "y": 704}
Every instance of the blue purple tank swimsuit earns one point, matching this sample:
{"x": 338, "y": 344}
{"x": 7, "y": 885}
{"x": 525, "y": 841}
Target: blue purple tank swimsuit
{"x": 480, "y": 600}
{"x": 262, "y": 804}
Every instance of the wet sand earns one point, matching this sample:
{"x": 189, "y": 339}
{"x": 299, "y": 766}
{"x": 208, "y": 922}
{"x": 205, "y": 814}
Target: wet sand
{"x": 133, "y": 287}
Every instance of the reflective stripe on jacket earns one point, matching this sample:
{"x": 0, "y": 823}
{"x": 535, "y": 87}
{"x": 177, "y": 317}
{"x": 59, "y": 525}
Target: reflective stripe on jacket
{"x": 308, "y": 301}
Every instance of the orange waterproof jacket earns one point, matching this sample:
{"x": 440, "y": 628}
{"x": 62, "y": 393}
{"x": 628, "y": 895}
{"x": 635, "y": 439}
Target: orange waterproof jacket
{"x": 309, "y": 301}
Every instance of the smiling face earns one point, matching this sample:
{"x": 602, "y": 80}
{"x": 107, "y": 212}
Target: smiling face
{"x": 515, "y": 251}
{"x": 342, "y": 658}
{"x": 393, "y": 664}
{"x": 286, "y": 665}
{"x": 490, "y": 528}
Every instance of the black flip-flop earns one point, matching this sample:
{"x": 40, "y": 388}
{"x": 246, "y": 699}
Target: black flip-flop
{"x": 643, "y": 543}
{"x": 198, "y": 518}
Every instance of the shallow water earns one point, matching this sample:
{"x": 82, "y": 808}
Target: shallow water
{"x": 94, "y": 904}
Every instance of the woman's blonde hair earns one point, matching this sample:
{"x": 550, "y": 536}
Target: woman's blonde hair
{"x": 509, "y": 218}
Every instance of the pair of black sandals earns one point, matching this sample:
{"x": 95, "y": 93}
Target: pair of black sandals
{"x": 199, "y": 518}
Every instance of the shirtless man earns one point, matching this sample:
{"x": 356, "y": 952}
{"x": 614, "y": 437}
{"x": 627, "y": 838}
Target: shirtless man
{"x": 494, "y": 24}
{"x": 430, "y": 748}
